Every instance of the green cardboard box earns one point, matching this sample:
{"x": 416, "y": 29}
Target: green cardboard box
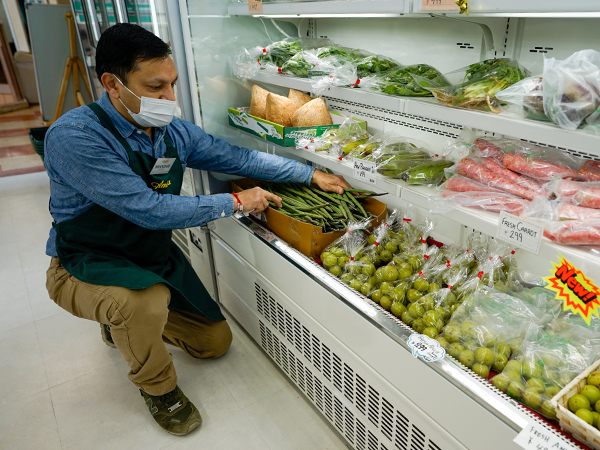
{"x": 278, "y": 134}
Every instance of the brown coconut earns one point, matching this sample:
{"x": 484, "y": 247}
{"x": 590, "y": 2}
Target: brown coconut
{"x": 280, "y": 109}
{"x": 299, "y": 98}
{"x": 258, "y": 103}
{"x": 312, "y": 114}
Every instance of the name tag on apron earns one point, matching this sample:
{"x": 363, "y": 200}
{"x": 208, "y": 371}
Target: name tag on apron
{"x": 162, "y": 166}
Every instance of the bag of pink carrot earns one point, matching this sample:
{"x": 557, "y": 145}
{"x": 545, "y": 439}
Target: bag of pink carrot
{"x": 539, "y": 163}
{"x": 585, "y": 194}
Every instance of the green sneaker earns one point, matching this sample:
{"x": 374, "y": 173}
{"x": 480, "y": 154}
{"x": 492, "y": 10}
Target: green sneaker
{"x": 173, "y": 412}
{"x": 106, "y": 336}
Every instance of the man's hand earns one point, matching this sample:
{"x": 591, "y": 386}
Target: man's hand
{"x": 330, "y": 183}
{"x": 256, "y": 200}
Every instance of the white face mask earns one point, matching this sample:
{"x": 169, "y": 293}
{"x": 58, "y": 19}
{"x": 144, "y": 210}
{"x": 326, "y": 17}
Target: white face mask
{"x": 154, "y": 112}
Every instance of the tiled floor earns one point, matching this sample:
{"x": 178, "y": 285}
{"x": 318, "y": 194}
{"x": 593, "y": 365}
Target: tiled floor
{"x": 16, "y": 153}
{"x": 61, "y": 387}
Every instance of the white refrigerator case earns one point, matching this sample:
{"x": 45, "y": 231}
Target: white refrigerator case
{"x": 348, "y": 356}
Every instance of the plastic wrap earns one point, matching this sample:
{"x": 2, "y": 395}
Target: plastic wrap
{"x": 590, "y": 170}
{"x": 396, "y": 154}
{"x": 585, "y": 194}
{"x": 344, "y": 249}
{"x": 572, "y": 89}
{"x": 399, "y": 82}
{"x": 527, "y": 94}
{"x": 464, "y": 192}
{"x": 574, "y": 232}
{"x": 475, "y": 86}
{"x": 547, "y": 361}
{"x": 485, "y": 328}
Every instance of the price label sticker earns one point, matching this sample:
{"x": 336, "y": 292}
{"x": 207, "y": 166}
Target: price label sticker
{"x": 537, "y": 437}
{"x": 365, "y": 171}
{"x": 255, "y": 6}
{"x": 425, "y": 347}
{"x": 439, "y": 5}
{"x": 520, "y": 232}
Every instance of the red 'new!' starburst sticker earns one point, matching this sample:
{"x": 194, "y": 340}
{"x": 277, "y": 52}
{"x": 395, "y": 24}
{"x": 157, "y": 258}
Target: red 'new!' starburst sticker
{"x": 579, "y": 293}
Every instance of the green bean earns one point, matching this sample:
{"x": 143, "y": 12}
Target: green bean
{"x": 351, "y": 197}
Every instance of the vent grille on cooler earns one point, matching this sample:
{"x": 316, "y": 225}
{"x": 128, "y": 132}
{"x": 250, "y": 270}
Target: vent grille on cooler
{"x": 295, "y": 342}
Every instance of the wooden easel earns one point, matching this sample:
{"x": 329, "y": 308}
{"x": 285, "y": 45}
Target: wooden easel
{"x": 73, "y": 63}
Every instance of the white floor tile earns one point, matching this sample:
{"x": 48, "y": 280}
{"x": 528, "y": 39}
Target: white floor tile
{"x": 22, "y": 372}
{"x": 287, "y": 422}
{"x": 56, "y": 373}
{"x": 234, "y": 433}
{"x": 72, "y": 347}
{"x": 29, "y": 423}
{"x": 103, "y": 410}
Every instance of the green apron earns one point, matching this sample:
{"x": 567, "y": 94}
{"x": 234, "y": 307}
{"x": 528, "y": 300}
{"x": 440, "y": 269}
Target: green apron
{"x": 100, "y": 247}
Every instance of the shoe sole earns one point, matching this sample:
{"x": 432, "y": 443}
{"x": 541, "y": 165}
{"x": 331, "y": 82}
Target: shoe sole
{"x": 191, "y": 428}
{"x": 105, "y": 338}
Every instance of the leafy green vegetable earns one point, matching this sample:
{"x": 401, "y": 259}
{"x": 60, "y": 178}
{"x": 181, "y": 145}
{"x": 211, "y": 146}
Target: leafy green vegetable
{"x": 297, "y": 65}
{"x": 401, "y": 82}
{"x": 480, "y": 84}
{"x": 280, "y": 52}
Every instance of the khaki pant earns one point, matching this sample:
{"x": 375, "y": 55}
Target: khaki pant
{"x": 140, "y": 322}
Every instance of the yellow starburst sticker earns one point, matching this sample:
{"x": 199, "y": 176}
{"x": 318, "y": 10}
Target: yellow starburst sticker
{"x": 578, "y": 293}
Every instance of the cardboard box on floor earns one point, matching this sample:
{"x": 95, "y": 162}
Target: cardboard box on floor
{"x": 306, "y": 238}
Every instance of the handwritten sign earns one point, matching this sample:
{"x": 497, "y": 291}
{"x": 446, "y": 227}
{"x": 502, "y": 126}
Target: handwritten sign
{"x": 439, "y": 5}
{"x": 365, "y": 171}
{"x": 255, "y": 6}
{"x": 519, "y": 232}
{"x": 425, "y": 347}
{"x": 536, "y": 437}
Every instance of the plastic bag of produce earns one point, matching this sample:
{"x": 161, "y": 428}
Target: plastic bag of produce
{"x": 399, "y": 81}
{"x": 459, "y": 191}
{"x": 581, "y": 193}
{"x": 574, "y": 232}
{"x": 475, "y": 86}
{"x": 374, "y": 64}
{"x": 528, "y": 94}
{"x": 484, "y": 326}
{"x": 337, "y": 254}
{"x": 547, "y": 361}
{"x": 396, "y": 154}
{"x": 590, "y": 170}
{"x": 572, "y": 89}
{"x": 335, "y": 69}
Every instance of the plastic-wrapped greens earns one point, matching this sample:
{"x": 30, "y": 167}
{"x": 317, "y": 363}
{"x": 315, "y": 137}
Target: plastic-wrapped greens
{"x": 572, "y": 89}
{"x": 475, "y": 86}
{"x": 400, "y": 82}
{"x": 527, "y": 94}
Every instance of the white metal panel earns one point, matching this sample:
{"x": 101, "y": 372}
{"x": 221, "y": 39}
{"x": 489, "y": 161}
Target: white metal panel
{"x": 329, "y": 359}
{"x": 201, "y": 259}
{"x": 532, "y": 6}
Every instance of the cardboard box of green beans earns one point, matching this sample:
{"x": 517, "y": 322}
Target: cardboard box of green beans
{"x": 312, "y": 219}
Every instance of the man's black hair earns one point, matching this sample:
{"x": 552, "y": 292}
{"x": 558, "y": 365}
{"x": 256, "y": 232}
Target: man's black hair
{"x": 123, "y": 45}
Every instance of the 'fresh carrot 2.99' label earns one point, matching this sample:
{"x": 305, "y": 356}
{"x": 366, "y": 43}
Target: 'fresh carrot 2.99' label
{"x": 579, "y": 293}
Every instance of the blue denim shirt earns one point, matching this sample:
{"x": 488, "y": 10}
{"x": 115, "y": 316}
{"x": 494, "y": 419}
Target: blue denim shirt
{"x": 87, "y": 165}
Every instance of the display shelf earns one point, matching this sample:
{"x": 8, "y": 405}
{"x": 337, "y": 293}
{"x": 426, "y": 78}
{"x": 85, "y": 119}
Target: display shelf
{"x": 499, "y": 405}
{"x": 530, "y": 130}
{"x": 320, "y": 9}
{"x": 483, "y": 221}
{"x": 348, "y": 94}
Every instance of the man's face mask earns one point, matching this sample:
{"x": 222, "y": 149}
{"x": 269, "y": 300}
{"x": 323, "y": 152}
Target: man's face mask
{"x": 154, "y": 112}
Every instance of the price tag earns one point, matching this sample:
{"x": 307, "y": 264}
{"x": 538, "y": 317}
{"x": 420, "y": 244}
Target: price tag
{"x": 255, "y": 6}
{"x": 536, "y": 437}
{"x": 520, "y": 232}
{"x": 365, "y": 171}
{"x": 425, "y": 347}
{"x": 438, "y": 5}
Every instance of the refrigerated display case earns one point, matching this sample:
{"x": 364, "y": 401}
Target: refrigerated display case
{"x": 347, "y": 355}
